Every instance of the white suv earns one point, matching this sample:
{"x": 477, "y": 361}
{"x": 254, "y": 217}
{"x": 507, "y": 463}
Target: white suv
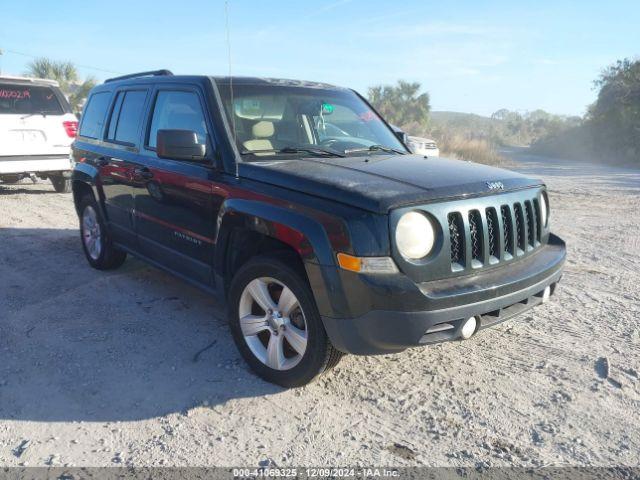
{"x": 36, "y": 132}
{"x": 424, "y": 146}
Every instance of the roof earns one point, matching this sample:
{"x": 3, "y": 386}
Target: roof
{"x": 285, "y": 82}
{"x": 28, "y": 80}
{"x": 162, "y": 76}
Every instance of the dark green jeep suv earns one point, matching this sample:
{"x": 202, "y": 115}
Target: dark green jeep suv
{"x": 299, "y": 207}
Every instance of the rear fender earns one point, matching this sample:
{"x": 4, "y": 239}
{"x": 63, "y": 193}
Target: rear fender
{"x": 89, "y": 176}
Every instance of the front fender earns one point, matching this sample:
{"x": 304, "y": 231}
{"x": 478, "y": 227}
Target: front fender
{"x": 316, "y": 236}
{"x": 305, "y": 233}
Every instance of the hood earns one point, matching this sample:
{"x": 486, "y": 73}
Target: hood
{"x": 380, "y": 183}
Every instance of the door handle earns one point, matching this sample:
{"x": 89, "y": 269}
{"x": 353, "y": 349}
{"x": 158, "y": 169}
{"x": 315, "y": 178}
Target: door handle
{"x": 143, "y": 172}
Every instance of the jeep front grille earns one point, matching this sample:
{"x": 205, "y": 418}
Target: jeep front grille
{"x": 493, "y": 234}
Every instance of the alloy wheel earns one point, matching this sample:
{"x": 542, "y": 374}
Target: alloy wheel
{"x": 273, "y": 323}
{"x": 91, "y": 235}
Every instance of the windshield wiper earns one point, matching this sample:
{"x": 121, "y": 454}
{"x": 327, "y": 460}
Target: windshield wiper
{"x": 44, "y": 113}
{"x": 312, "y": 150}
{"x": 374, "y": 148}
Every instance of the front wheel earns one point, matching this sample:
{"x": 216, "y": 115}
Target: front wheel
{"x": 61, "y": 184}
{"x": 276, "y": 325}
{"x": 96, "y": 243}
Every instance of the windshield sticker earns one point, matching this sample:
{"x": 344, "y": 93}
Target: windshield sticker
{"x": 249, "y": 107}
{"x": 15, "y": 94}
{"x": 327, "y": 108}
{"x": 367, "y": 116}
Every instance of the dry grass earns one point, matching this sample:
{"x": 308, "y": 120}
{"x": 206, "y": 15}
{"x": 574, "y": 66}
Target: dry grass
{"x": 460, "y": 144}
{"x": 474, "y": 149}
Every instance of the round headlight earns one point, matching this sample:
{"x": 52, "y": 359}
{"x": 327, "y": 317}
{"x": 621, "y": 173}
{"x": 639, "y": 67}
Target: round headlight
{"x": 415, "y": 235}
{"x": 544, "y": 210}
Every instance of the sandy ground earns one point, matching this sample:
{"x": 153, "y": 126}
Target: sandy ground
{"x": 103, "y": 368}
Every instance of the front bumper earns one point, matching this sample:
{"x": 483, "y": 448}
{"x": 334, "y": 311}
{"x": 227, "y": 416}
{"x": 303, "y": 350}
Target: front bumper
{"x": 35, "y": 164}
{"x": 492, "y": 297}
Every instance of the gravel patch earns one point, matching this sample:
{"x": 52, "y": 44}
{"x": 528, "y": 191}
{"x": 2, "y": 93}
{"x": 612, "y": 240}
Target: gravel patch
{"x": 135, "y": 367}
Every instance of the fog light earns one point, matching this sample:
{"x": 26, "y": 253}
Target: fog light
{"x": 468, "y": 328}
{"x": 546, "y": 294}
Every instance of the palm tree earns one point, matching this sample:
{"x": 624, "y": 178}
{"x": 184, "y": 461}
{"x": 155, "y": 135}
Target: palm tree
{"x": 66, "y": 74}
{"x": 402, "y": 104}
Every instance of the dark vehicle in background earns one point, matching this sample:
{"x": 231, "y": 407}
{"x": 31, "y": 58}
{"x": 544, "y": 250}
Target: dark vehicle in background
{"x": 296, "y": 204}
{"x": 36, "y": 131}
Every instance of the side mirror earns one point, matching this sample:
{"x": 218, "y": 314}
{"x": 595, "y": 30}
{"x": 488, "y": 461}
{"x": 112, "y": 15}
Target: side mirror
{"x": 402, "y": 137}
{"x": 180, "y": 145}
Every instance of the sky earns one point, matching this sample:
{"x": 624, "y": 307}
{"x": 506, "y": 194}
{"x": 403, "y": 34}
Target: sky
{"x": 470, "y": 56}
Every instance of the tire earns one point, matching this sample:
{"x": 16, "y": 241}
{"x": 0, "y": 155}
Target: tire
{"x": 101, "y": 254}
{"x": 10, "y": 179}
{"x": 61, "y": 184}
{"x": 298, "y": 319}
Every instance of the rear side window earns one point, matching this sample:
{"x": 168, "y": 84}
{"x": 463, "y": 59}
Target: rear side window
{"x": 127, "y": 116}
{"x": 28, "y": 99}
{"x": 94, "y": 114}
{"x": 180, "y": 111}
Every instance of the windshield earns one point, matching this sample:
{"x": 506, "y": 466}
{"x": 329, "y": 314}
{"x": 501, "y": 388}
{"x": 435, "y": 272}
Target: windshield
{"x": 27, "y": 99}
{"x": 276, "y": 120}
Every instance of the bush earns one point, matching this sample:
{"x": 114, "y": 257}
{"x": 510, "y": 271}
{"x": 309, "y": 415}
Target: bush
{"x": 475, "y": 149}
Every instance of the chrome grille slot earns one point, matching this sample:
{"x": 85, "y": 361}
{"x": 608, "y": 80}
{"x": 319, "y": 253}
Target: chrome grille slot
{"x": 531, "y": 229}
{"x": 493, "y": 232}
{"x": 536, "y": 209}
{"x": 520, "y": 226}
{"x": 476, "y": 235}
{"x": 507, "y": 231}
{"x": 456, "y": 238}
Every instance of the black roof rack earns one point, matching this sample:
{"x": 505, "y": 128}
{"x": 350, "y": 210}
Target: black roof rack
{"x": 151, "y": 73}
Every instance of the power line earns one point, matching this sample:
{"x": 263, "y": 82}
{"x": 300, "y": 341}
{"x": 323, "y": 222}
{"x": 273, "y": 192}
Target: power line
{"x": 3, "y": 51}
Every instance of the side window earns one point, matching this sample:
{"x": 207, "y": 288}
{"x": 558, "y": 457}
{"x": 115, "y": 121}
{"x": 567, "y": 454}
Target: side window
{"x": 93, "y": 116}
{"x": 179, "y": 111}
{"x": 111, "y": 135}
{"x": 127, "y": 116}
